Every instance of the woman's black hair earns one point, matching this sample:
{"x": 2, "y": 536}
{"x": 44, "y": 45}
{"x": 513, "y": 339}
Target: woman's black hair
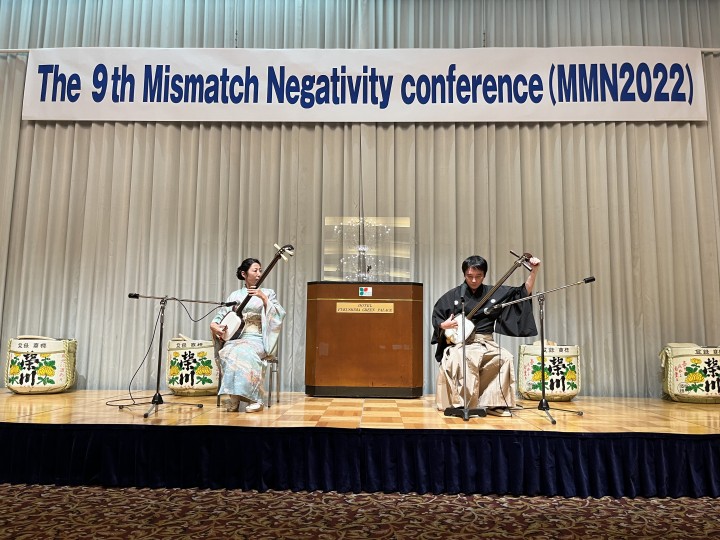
{"x": 245, "y": 266}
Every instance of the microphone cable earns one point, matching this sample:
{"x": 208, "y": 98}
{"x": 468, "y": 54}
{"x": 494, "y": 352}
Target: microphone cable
{"x": 133, "y": 401}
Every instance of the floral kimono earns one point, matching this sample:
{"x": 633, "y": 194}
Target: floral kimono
{"x": 243, "y": 360}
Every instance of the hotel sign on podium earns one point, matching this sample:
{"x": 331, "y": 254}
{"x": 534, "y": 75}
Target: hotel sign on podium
{"x": 364, "y": 339}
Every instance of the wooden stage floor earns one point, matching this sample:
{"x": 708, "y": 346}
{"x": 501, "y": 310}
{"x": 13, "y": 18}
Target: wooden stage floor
{"x": 600, "y": 415}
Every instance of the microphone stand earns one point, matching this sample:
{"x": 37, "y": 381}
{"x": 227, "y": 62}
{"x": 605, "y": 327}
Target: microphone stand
{"x": 157, "y": 399}
{"x": 543, "y": 405}
{"x": 464, "y": 412}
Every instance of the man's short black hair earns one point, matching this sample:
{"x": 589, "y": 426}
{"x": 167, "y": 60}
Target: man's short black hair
{"x": 475, "y": 261}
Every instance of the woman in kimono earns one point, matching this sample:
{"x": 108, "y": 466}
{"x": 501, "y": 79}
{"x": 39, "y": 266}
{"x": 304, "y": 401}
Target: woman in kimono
{"x": 490, "y": 380}
{"x": 243, "y": 360}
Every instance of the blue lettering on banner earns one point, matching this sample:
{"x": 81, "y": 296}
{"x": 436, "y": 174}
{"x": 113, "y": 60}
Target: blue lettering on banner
{"x": 562, "y": 85}
{"x": 446, "y": 88}
{"x": 338, "y": 88}
{"x": 163, "y": 86}
{"x": 122, "y": 84}
{"x": 63, "y": 86}
{"x": 627, "y": 83}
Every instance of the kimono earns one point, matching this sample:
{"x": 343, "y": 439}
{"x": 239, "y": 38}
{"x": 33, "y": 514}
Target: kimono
{"x": 488, "y": 380}
{"x": 243, "y": 360}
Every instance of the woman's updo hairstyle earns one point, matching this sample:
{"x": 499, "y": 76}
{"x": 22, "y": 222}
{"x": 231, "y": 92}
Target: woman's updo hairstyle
{"x": 245, "y": 266}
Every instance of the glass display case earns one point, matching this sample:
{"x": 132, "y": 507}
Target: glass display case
{"x": 362, "y": 249}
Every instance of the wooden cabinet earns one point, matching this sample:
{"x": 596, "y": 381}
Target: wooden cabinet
{"x": 364, "y": 339}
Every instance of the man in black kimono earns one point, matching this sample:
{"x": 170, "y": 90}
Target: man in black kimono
{"x": 490, "y": 368}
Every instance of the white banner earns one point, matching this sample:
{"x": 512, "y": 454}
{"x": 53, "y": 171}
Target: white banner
{"x": 578, "y": 84}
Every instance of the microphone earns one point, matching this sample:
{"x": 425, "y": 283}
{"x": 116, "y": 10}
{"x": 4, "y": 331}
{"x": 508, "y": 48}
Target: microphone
{"x": 589, "y": 279}
{"x": 489, "y": 310}
{"x": 459, "y": 306}
{"x": 228, "y": 304}
{"x": 134, "y": 295}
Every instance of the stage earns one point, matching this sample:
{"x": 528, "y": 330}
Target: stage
{"x": 618, "y": 447}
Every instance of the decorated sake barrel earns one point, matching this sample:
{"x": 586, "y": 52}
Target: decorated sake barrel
{"x": 562, "y": 372}
{"x": 691, "y": 373}
{"x": 191, "y": 367}
{"x": 40, "y": 365}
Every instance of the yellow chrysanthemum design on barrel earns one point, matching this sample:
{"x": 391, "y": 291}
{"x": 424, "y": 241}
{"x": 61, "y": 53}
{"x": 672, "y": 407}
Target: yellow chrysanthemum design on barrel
{"x": 203, "y": 370}
{"x": 695, "y": 377}
{"x": 46, "y": 371}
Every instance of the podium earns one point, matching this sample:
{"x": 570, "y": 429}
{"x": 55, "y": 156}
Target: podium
{"x": 364, "y": 339}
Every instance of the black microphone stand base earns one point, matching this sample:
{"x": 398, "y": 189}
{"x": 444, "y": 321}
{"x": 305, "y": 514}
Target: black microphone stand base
{"x": 545, "y": 406}
{"x": 157, "y": 400}
{"x": 465, "y": 414}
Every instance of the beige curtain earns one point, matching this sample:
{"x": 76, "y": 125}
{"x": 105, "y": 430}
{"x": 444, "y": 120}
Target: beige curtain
{"x": 92, "y": 212}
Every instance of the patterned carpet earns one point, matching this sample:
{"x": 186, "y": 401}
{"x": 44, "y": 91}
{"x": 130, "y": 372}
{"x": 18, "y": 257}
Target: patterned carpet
{"x": 31, "y": 512}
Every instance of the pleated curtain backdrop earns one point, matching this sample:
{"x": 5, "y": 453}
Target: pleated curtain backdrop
{"x": 93, "y": 211}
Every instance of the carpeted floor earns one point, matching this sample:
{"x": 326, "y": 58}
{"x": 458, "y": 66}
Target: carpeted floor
{"x": 32, "y": 512}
